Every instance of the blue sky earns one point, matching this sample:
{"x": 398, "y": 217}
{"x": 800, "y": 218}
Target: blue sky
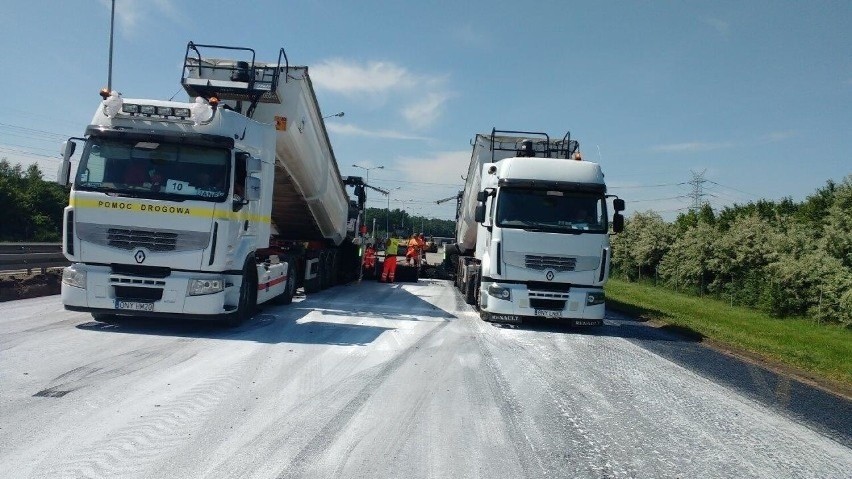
{"x": 757, "y": 95}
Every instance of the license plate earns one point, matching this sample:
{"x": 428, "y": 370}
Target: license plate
{"x": 134, "y": 305}
{"x": 548, "y": 313}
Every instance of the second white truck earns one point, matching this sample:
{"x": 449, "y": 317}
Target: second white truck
{"x": 532, "y": 232}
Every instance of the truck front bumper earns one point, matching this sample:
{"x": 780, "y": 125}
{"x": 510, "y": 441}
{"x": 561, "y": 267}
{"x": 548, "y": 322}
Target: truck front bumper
{"x": 582, "y": 305}
{"x": 106, "y": 292}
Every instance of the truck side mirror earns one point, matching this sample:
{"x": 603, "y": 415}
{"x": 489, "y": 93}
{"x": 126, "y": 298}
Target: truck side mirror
{"x": 618, "y": 204}
{"x": 618, "y": 222}
{"x": 67, "y": 149}
{"x": 479, "y": 213}
{"x": 252, "y": 188}
{"x": 64, "y": 171}
{"x": 253, "y": 165}
{"x": 480, "y": 197}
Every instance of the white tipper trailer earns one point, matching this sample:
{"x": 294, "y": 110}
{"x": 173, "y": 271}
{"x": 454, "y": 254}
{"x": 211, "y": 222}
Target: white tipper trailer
{"x": 532, "y": 230}
{"x": 206, "y": 209}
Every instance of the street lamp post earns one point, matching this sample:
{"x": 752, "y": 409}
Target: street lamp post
{"x": 387, "y": 216}
{"x": 367, "y": 169}
{"x": 404, "y": 203}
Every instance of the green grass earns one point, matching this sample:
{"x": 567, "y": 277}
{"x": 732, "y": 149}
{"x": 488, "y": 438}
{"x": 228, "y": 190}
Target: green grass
{"x": 823, "y": 350}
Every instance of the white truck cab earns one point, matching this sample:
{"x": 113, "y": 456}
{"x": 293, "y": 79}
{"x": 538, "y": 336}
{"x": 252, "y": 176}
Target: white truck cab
{"x": 533, "y": 230}
{"x": 206, "y": 209}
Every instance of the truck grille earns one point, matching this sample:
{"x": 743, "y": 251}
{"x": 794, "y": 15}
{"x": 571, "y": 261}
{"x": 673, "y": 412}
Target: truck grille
{"x": 557, "y": 263}
{"x": 156, "y": 240}
{"x": 132, "y": 239}
{"x": 133, "y": 292}
{"x": 547, "y": 303}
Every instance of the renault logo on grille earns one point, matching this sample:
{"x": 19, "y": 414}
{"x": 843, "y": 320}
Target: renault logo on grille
{"x": 140, "y": 256}
{"x": 550, "y": 275}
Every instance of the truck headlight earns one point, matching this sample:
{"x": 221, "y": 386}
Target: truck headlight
{"x": 500, "y": 292}
{"x": 595, "y": 297}
{"x": 74, "y": 277}
{"x": 198, "y": 287}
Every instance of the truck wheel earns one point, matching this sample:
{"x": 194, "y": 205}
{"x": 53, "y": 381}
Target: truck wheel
{"x": 248, "y": 297}
{"x": 324, "y": 268}
{"x": 331, "y": 271}
{"x": 470, "y": 290}
{"x": 313, "y": 285}
{"x": 289, "y": 289}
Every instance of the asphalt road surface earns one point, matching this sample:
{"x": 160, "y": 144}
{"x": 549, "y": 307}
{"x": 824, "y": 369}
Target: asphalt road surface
{"x": 404, "y": 381}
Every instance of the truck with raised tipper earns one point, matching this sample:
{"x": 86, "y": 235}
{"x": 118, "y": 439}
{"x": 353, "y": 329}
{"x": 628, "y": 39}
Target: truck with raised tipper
{"x": 532, "y": 229}
{"x": 206, "y": 209}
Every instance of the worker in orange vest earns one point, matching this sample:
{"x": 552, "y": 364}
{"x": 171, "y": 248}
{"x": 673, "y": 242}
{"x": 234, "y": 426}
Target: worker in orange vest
{"x": 412, "y": 252}
{"x": 421, "y": 248}
{"x": 389, "y": 270}
{"x": 370, "y": 258}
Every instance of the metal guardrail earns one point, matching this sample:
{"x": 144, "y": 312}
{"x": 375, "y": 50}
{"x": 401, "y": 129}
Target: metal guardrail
{"x": 30, "y": 256}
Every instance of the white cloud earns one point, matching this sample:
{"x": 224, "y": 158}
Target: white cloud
{"x": 130, "y": 13}
{"x": 721, "y": 26}
{"x": 426, "y": 111}
{"x": 418, "y": 98}
{"x": 692, "y": 147}
{"x": 352, "y": 130}
{"x": 471, "y": 37}
{"x": 439, "y": 167}
{"x": 349, "y": 78}
{"x": 776, "y": 136}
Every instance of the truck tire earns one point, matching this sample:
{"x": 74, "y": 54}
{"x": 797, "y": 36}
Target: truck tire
{"x": 325, "y": 269}
{"x": 289, "y": 288}
{"x": 248, "y": 297}
{"x": 313, "y": 285}
{"x": 470, "y": 290}
{"x": 332, "y": 268}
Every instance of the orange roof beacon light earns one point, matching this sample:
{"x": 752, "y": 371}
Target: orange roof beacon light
{"x": 104, "y": 93}
{"x": 578, "y": 156}
{"x": 213, "y": 101}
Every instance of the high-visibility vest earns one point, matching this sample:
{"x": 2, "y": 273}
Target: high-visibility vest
{"x": 393, "y": 245}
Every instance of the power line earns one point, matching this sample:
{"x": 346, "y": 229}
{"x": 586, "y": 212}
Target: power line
{"x": 37, "y": 115}
{"x": 734, "y": 189}
{"x": 27, "y": 153}
{"x": 29, "y": 136}
{"x": 416, "y": 182}
{"x": 647, "y": 186}
{"x": 660, "y": 199}
{"x": 34, "y": 130}
{"x": 28, "y": 146}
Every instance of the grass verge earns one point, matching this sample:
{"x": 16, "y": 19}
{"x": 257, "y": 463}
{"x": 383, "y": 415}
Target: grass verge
{"x": 824, "y": 351}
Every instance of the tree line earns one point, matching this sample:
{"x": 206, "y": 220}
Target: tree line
{"x": 783, "y": 257}
{"x": 402, "y": 224}
{"x": 32, "y": 210}
{"x": 31, "y": 207}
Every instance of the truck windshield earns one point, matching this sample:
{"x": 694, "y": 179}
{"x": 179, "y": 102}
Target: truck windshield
{"x": 553, "y": 211}
{"x": 154, "y": 170}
